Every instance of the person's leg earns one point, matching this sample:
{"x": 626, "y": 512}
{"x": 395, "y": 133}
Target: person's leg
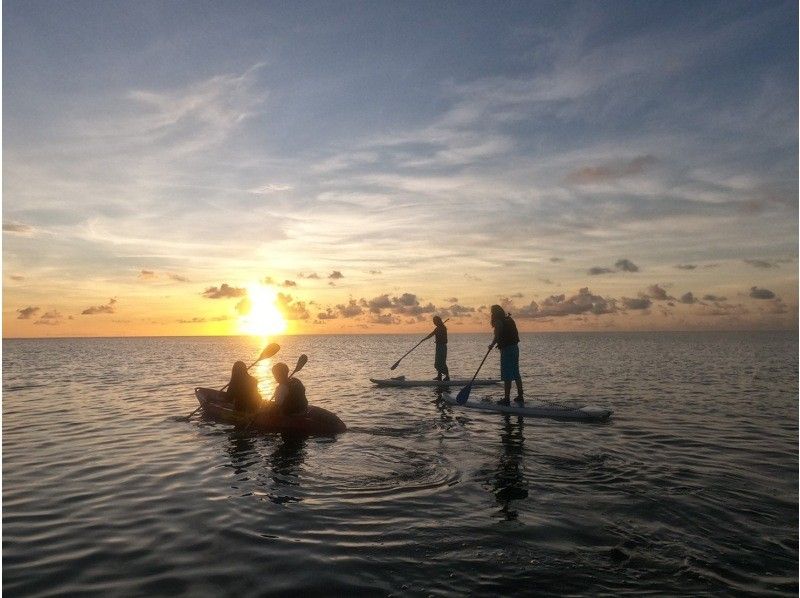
{"x": 507, "y": 394}
{"x": 520, "y": 397}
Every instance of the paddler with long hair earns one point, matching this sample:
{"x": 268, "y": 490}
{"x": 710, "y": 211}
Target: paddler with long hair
{"x": 506, "y": 337}
{"x": 243, "y": 389}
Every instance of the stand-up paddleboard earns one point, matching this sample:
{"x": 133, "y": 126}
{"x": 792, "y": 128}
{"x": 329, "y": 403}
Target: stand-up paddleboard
{"x": 403, "y": 383}
{"x": 587, "y": 413}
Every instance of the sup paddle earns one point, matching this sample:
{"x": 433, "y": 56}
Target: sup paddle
{"x": 270, "y": 350}
{"x": 396, "y": 363}
{"x": 301, "y": 361}
{"x": 463, "y": 394}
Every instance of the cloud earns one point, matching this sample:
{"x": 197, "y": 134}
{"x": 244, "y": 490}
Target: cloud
{"x": 714, "y": 298}
{"x": 223, "y": 292}
{"x": 384, "y": 319}
{"x": 17, "y": 277}
{"x": 626, "y": 266}
{"x": 178, "y": 278}
{"x": 335, "y": 275}
{"x": 596, "y": 270}
{"x": 452, "y": 300}
{"x": 559, "y": 305}
{"x": 686, "y": 266}
{"x": 327, "y": 315}
{"x": 375, "y": 272}
{"x": 108, "y": 308}
{"x": 50, "y": 318}
{"x": 757, "y": 293}
{"x": 288, "y": 283}
{"x": 656, "y": 292}
{"x": 456, "y": 311}
{"x": 270, "y": 189}
{"x": 636, "y": 303}
{"x": 378, "y": 303}
{"x": 27, "y": 313}
{"x": 610, "y": 172}
{"x": 312, "y": 276}
{"x": 350, "y": 310}
{"x": 17, "y": 227}
{"x": 761, "y": 263}
{"x": 244, "y": 306}
{"x": 688, "y": 298}
{"x": 147, "y": 275}
{"x": 201, "y": 320}
{"x": 556, "y": 259}
{"x": 291, "y": 309}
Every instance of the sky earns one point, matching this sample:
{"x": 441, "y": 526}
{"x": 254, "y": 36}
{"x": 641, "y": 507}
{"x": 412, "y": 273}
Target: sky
{"x": 363, "y": 166}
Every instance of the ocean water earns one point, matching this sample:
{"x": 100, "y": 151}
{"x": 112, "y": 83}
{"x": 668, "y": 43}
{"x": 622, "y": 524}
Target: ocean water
{"x": 690, "y": 489}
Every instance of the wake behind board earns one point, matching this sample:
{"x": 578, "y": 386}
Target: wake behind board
{"x": 587, "y": 413}
{"x": 403, "y": 383}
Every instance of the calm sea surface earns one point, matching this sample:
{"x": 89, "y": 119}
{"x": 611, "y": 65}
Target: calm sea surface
{"x": 691, "y": 488}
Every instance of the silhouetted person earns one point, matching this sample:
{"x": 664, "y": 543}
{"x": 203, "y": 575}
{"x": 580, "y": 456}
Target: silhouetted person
{"x": 290, "y": 394}
{"x": 506, "y": 338}
{"x": 440, "y": 361}
{"x": 243, "y": 389}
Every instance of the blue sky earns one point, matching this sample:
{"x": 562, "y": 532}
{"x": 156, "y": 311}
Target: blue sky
{"x": 481, "y": 151}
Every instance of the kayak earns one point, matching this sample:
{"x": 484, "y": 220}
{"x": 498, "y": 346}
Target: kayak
{"x": 316, "y": 421}
{"x": 403, "y": 383}
{"x": 586, "y": 413}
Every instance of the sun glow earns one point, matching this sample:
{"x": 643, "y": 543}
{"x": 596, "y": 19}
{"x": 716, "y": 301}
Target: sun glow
{"x": 263, "y": 317}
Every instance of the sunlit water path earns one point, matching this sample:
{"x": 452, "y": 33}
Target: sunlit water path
{"x": 690, "y": 489}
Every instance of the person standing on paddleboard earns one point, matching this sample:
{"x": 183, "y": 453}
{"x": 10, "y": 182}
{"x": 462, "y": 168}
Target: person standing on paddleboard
{"x": 440, "y": 361}
{"x": 506, "y": 338}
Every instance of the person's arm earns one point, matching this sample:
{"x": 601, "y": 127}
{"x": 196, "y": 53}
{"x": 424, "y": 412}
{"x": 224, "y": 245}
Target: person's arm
{"x": 496, "y": 334}
{"x": 429, "y": 336}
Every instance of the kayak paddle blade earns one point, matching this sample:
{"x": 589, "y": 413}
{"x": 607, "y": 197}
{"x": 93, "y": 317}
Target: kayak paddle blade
{"x": 463, "y": 394}
{"x": 301, "y": 361}
{"x": 270, "y": 350}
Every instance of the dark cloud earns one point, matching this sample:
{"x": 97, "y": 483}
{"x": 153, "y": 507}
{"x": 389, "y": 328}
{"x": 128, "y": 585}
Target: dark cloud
{"x": 50, "y": 318}
{"x": 26, "y": 313}
{"x": 610, "y": 172}
{"x": 452, "y": 300}
{"x": 656, "y": 292}
{"x": 456, "y": 311}
{"x": 291, "y": 309}
{"x": 108, "y": 308}
{"x": 312, "y": 276}
{"x": 596, "y": 270}
{"x": 760, "y": 264}
{"x": 327, "y": 315}
{"x": 560, "y": 305}
{"x": 335, "y": 275}
{"x": 384, "y": 319}
{"x": 688, "y": 298}
{"x": 288, "y": 283}
{"x": 350, "y": 310}
{"x": 224, "y": 292}
{"x": 626, "y": 266}
{"x": 686, "y": 266}
{"x": 636, "y": 303}
{"x": 714, "y": 298}
{"x": 757, "y": 293}
{"x": 378, "y": 303}
{"x": 17, "y": 277}
{"x": 147, "y": 275}
{"x": 16, "y": 227}
{"x": 178, "y": 278}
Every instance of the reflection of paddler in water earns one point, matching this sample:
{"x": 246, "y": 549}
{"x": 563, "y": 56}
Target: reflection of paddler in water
{"x": 286, "y": 461}
{"x": 440, "y": 360}
{"x": 509, "y": 481}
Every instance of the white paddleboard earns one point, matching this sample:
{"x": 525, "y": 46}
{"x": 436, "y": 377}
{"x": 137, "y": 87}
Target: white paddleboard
{"x": 402, "y": 382}
{"x": 586, "y": 413}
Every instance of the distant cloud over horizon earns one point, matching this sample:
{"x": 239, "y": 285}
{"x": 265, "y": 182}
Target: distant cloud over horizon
{"x": 224, "y": 291}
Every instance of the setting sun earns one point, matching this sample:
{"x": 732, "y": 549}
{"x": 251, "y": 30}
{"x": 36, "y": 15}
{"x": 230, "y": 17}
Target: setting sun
{"x": 261, "y": 316}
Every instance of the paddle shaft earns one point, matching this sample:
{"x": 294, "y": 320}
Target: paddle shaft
{"x": 463, "y": 394}
{"x": 396, "y": 363}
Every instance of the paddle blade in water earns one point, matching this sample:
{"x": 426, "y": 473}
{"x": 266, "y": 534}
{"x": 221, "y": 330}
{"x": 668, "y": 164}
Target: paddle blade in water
{"x": 463, "y": 394}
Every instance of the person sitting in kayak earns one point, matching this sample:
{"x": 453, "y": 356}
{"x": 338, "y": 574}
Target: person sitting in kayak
{"x": 243, "y": 389}
{"x": 290, "y": 394}
{"x": 506, "y": 337}
{"x": 440, "y": 360}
